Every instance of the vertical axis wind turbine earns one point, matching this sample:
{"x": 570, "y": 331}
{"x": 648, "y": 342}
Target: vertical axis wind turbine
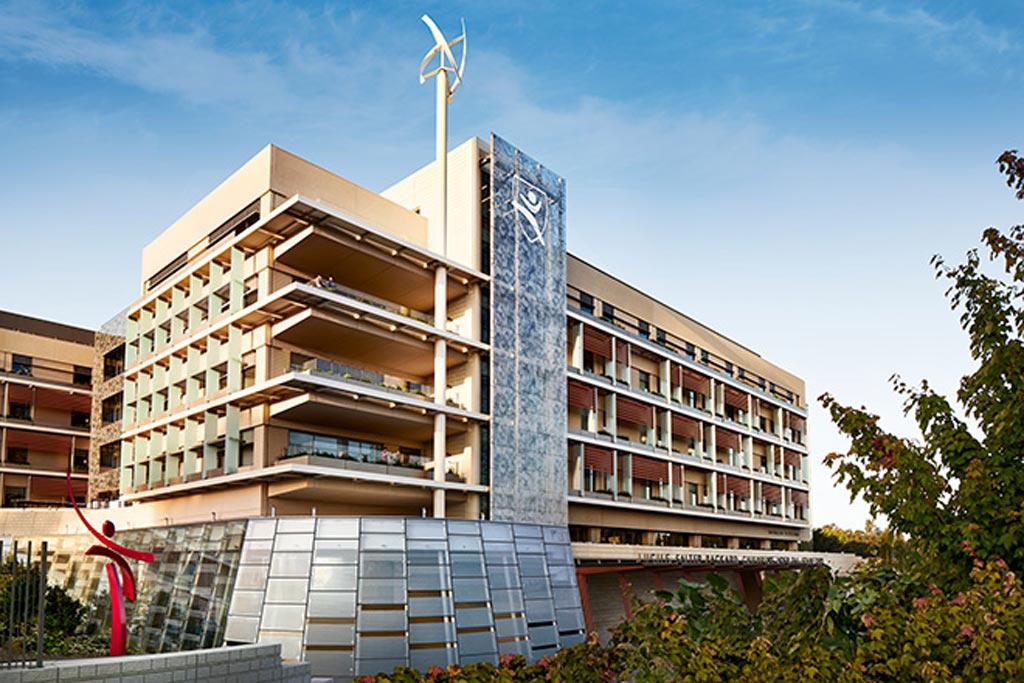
{"x": 445, "y": 89}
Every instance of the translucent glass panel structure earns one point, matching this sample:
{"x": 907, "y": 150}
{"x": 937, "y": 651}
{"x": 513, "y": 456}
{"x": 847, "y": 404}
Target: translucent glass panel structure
{"x": 528, "y": 468}
{"x": 355, "y": 596}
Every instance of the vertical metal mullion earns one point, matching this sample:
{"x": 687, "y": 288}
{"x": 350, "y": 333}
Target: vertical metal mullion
{"x": 40, "y": 622}
{"x": 10, "y": 611}
{"x": 26, "y": 597}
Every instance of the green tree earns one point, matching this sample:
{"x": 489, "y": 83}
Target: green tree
{"x": 952, "y": 493}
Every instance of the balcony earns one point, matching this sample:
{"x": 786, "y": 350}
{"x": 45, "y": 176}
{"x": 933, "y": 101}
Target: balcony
{"x": 383, "y": 461}
{"x": 398, "y": 386}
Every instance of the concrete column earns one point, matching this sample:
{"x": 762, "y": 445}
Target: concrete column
{"x": 649, "y": 537}
{"x": 696, "y": 540}
{"x": 765, "y": 545}
{"x": 664, "y": 383}
{"x": 732, "y": 543}
{"x": 576, "y": 339}
{"x": 593, "y": 534}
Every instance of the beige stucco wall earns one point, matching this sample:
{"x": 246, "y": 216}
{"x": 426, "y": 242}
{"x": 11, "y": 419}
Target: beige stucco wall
{"x": 274, "y": 170}
{"x": 419, "y": 191}
{"x": 45, "y": 350}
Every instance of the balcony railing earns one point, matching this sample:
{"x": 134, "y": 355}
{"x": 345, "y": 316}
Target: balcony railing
{"x": 330, "y": 285}
{"x": 327, "y": 368}
{"x": 383, "y": 461}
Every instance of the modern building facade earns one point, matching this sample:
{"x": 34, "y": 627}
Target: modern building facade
{"x": 304, "y": 345}
{"x": 45, "y": 397}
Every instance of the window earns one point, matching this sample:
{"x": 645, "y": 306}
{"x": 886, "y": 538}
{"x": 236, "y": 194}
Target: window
{"x": 17, "y": 456}
{"x": 643, "y": 329}
{"x": 113, "y": 362}
{"x": 645, "y": 380}
{"x": 21, "y": 365}
{"x": 82, "y": 375}
{"x": 13, "y": 495}
{"x": 110, "y": 455}
{"x": 79, "y": 419}
{"x": 586, "y": 303}
{"x": 607, "y": 312}
{"x": 690, "y": 350}
{"x": 80, "y": 460}
{"x": 19, "y": 411}
{"x": 247, "y": 448}
{"x": 112, "y": 409}
{"x": 659, "y": 336}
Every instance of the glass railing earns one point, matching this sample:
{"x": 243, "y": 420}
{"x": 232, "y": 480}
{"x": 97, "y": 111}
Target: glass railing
{"x": 382, "y": 456}
{"x": 330, "y": 285}
{"x": 326, "y": 368}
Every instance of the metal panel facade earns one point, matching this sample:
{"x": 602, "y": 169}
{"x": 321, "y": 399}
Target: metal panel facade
{"x": 528, "y": 467}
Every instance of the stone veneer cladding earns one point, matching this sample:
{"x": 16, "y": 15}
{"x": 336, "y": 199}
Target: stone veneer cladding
{"x": 528, "y": 474}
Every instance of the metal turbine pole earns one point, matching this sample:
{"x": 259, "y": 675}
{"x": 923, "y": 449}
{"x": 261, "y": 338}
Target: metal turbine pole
{"x": 442, "y": 49}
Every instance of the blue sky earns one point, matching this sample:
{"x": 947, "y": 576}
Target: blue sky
{"x": 782, "y": 172}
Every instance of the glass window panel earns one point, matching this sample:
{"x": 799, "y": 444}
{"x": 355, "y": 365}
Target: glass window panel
{"x": 531, "y": 546}
{"x": 533, "y": 565}
{"x": 499, "y": 547}
{"x": 559, "y": 554}
{"x": 505, "y": 601}
{"x": 569, "y": 619}
{"x": 463, "y": 526}
{"x": 566, "y": 597}
{"x": 287, "y": 590}
{"x": 539, "y": 611}
{"x": 289, "y": 564}
{"x": 261, "y": 528}
{"x": 556, "y": 534}
{"x": 543, "y": 636}
{"x": 526, "y": 531}
{"x": 300, "y": 442}
{"x": 381, "y": 620}
{"x": 432, "y": 632}
{"x": 242, "y": 629}
{"x": 382, "y": 541}
{"x": 472, "y": 617}
{"x": 503, "y": 576}
{"x": 330, "y": 634}
{"x": 562, "y": 576}
{"x": 423, "y": 659}
{"x": 467, "y": 564}
{"x": 335, "y": 552}
{"x": 293, "y": 525}
{"x": 382, "y": 591}
{"x": 496, "y": 531}
{"x": 471, "y": 590}
{"x": 425, "y": 529}
{"x": 431, "y": 607}
{"x": 510, "y": 628}
{"x": 254, "y": 577}
{"x": 292, "y": 542}
{"x": 478, "y": 643}
{"x": 336, "y": 605}
{"x": 515, "y": 647}
{"x": 427, "y": 557}
{"x": 246, "y": 603}
{"x": 382, "y": 565}
{"x": 333, "y": 577}
{"x": 379, "y": 647}
{"x": 429, "y": 578}
{"x": 283, "y": 618}
{"x": 535, "y": 587}
{"x": 326, "y": 446}
{"x": 570, "y": 639}
{"x": 465, "y": 543}
{"x": 256, "y": 552}
{"x": 386, "y": 525}
{"x": 330, "y": 663}
{"x": 328, "y": 527}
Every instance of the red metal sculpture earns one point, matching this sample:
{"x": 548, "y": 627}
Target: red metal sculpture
{"x": 121, "y": 588}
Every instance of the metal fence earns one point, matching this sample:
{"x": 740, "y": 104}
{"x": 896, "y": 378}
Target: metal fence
{"x": 23, "y": 601}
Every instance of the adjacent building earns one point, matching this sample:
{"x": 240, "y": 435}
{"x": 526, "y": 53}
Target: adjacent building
{"x": 304, "y": 345}
{"x": 45, "y": 410}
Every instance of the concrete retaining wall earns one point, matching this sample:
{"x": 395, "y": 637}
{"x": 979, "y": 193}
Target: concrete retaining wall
{"x": 242, "y": 664}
